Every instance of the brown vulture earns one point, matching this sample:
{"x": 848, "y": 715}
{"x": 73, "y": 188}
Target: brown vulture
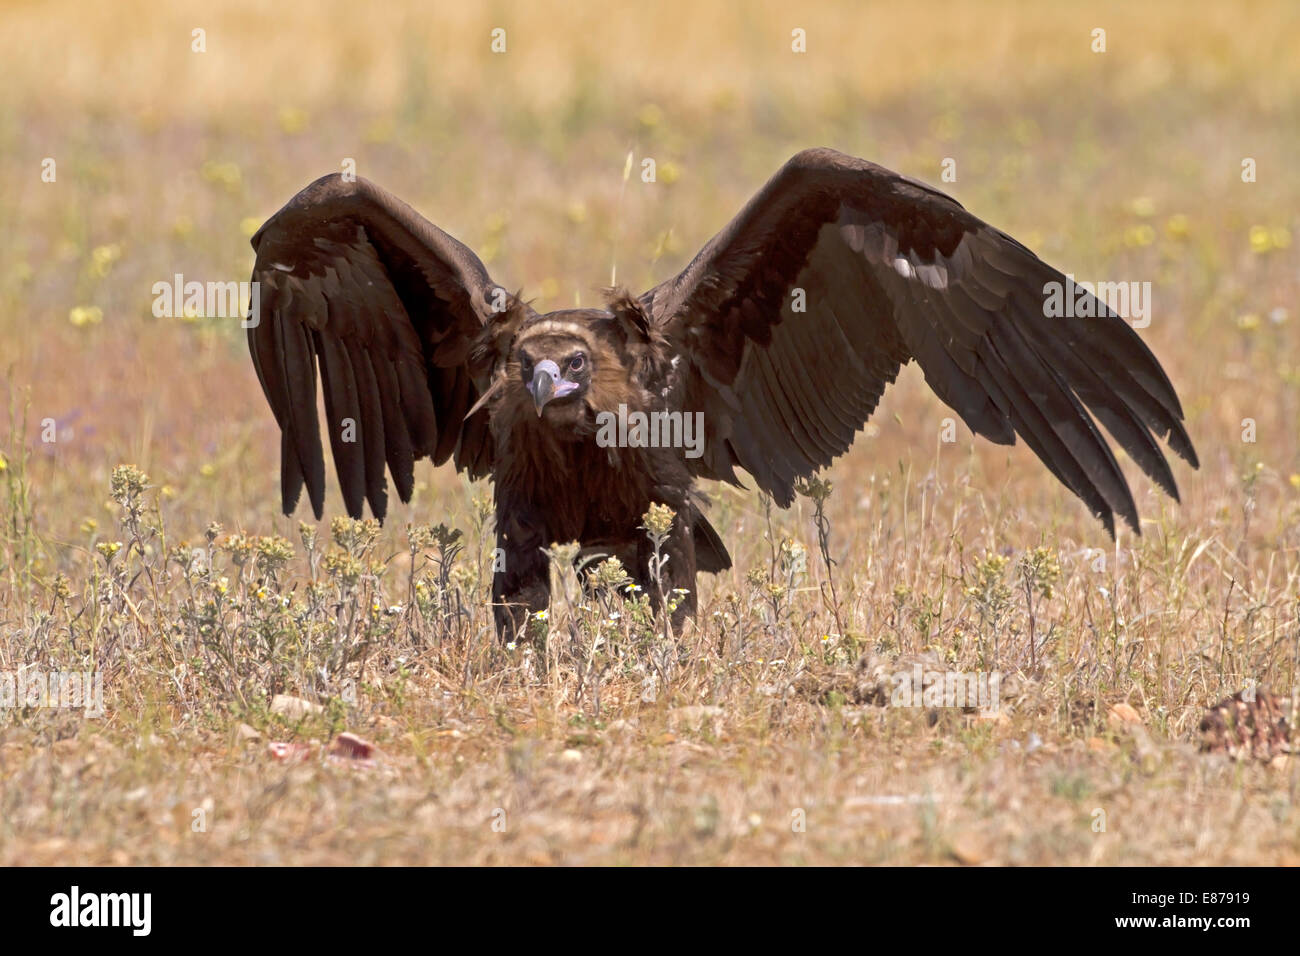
{"x": 778, "y": 338}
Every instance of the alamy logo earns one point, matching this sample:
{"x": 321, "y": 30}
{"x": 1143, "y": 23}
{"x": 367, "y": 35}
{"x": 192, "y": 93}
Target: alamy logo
{"x": 103, "y": 909}
{"x": 1082, "y": 300}
{"x": 212, "y": 300}
{"x": 922, "y": 688}
{"x": 651, "y": 430}
{"x": 73, "y": 690}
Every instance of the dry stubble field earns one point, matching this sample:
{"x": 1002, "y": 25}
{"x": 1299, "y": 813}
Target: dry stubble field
{"x": 756, "y": 737}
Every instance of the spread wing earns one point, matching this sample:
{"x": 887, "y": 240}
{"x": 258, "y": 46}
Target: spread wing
{"x": 354, "y": 283}
{"x": 795, "y": 317}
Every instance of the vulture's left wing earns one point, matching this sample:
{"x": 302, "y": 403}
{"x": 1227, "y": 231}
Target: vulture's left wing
{"x": 797, "y": 315}
{"x": 355, "y": 283}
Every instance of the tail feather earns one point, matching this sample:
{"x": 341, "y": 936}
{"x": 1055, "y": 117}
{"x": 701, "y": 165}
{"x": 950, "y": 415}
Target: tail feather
{"x": 710, "y": 553}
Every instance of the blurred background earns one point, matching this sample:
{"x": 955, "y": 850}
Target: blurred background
{"x": 1120, "y": 165}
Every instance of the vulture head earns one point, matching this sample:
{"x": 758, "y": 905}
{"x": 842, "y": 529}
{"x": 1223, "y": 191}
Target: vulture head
{"x": 552, "y": 365}
{"x": 562, "y": 369}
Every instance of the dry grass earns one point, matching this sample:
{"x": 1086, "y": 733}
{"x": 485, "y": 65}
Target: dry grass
{"x": 593, "y": 743}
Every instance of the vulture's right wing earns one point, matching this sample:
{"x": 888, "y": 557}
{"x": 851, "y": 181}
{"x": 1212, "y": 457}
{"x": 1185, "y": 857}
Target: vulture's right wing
{"x": 355, "y": 282}
{"x": 795, "y": 317}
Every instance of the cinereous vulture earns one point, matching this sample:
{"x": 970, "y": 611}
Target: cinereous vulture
{"x": 778, "y": 339}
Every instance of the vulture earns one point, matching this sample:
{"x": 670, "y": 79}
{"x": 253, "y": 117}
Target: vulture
{"x": 768, "y": 352}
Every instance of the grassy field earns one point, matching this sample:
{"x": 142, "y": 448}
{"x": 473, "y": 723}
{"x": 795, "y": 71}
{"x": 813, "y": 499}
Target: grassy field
{"x": 235, "y": 645}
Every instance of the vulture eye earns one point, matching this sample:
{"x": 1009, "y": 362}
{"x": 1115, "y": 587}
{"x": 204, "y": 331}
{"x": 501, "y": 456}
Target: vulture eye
{"x": 577, "y": 362}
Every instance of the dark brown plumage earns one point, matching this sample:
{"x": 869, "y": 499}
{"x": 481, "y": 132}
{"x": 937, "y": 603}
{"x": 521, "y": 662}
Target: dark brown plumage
{"x": 783, "y": 332}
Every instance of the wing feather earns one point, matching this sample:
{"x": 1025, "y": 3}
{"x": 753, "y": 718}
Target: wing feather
{"x": 358, "y": 288}
{"x": 892, "y": 271}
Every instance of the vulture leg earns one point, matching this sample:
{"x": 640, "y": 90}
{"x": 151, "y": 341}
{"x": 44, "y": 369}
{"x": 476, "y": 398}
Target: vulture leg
{"x": 522, "y": 584}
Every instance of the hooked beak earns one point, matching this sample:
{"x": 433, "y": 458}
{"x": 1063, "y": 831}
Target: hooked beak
{"x": 547, "y": 385}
